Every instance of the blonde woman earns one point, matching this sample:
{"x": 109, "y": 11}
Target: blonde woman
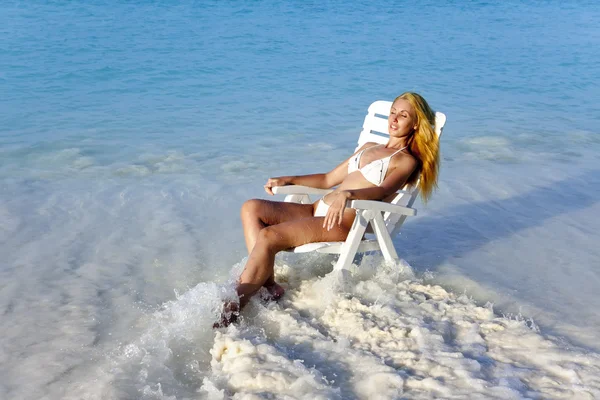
{"x": 374, "y": 172}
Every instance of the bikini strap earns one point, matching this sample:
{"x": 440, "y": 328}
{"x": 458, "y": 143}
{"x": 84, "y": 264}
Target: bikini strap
{"x": 398, "y": 151}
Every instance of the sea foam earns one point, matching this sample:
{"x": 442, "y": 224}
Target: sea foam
{"x": 387, "y": 336}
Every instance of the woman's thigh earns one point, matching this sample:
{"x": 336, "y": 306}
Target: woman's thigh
{"x": 295, "y": 233}
{"x": 276, "y": 212}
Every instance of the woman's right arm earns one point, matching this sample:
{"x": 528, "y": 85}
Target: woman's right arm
{"x": 319, "y": 181}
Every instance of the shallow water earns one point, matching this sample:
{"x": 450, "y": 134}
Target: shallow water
{"x": 131, "y": 133}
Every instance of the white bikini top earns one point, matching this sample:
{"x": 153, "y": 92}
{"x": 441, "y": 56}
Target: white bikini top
{"x": 374, "y": 171}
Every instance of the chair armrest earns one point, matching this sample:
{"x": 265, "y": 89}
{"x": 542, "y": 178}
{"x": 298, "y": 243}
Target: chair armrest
{"x": 382, "y": 206}
{"x": 297, "y": 189}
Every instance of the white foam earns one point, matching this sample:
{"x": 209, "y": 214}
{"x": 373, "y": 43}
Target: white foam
{"x": 495, "y": 148}
{"x": 237, "y": 166}
{"x": 386, "y": 337}
{"x": 134, "y": 170}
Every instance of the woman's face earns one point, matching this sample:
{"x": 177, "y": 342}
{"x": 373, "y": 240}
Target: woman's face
{"x": 402, "y": 120}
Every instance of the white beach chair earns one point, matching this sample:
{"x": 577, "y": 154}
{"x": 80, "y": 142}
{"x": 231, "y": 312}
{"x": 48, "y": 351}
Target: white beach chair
{"x": 386, "y": 219}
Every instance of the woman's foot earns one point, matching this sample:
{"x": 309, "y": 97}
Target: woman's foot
{"x": 229, "y": 315}
{"x": 274, "y": 292}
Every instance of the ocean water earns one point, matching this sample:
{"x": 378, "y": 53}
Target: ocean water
{"x": 131, "y": 133}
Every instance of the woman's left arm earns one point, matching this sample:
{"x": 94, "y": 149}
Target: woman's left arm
{"x": 395, "y": 179}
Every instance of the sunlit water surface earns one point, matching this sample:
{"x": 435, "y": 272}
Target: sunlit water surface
{"x": 131, "y": 133}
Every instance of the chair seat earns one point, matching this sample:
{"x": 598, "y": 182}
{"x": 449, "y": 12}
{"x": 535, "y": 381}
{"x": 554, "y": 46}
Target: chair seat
{"x": 335, "y": 247}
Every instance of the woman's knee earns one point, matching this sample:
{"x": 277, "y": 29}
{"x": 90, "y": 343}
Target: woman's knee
{"x": 251, "y": 208}
{"x": 269, "y": 238}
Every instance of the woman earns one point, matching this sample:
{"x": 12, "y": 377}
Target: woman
{"x": 374, "y": 172}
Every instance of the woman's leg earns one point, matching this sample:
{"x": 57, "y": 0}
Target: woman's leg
{"x": 269, "y": 241}
{"x": 257, "y": 214}
{"x": 275, "y": 238}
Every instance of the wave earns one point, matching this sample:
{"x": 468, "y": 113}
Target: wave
{"x": 376, "y": 332}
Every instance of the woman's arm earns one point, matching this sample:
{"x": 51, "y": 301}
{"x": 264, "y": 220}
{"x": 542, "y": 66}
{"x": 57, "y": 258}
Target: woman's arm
{"x": 314, "y": 180}
{"x": 396, "y": 178}
{"x": 319, "y": 181}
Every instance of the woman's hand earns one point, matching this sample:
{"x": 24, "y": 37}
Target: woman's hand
{"x": 279, "y": 181}
{"x": 335, "y": 213}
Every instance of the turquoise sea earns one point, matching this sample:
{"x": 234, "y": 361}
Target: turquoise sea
{"x": 132, "y": 131}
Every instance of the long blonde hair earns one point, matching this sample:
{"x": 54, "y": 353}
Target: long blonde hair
{"x": 423, "y": 145}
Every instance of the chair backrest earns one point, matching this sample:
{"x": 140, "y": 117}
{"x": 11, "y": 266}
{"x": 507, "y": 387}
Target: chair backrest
{"x": 375, "y": 129}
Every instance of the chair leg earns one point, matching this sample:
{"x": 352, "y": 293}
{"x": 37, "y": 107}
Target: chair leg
{"x": 383, "y": 237}
{"x": 348, "y": 250}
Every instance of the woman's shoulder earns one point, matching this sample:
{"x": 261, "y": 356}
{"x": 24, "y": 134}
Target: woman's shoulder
{"x": 405, "y": 158}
